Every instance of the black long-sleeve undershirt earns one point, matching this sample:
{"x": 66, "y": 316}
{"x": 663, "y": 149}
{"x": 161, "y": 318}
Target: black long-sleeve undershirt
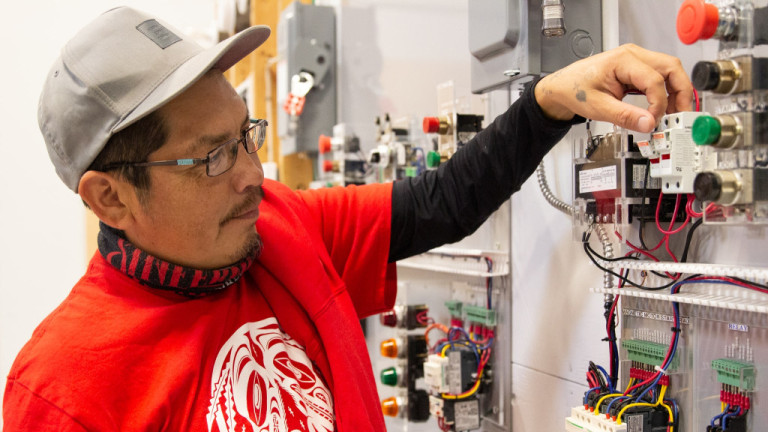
{"x": 445, "y": 205}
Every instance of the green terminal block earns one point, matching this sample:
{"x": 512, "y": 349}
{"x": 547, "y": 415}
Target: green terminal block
{"x": 480, "y": 315}
{"x": 735, "y": 373}
{"x": 650, "y": 353}
{"x": 454, "y": 307}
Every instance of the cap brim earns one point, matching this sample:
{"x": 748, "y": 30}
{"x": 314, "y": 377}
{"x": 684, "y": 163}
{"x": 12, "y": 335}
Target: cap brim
{"x": 221, "y": 56}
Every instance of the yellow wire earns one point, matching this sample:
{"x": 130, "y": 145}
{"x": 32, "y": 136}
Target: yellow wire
{"x": 630, "y": 384}
{"x": 671, "y": 416}
{"x": 600, "y": 401}
{"x": 661, "y": 398}
{"x": 468, "y": 393}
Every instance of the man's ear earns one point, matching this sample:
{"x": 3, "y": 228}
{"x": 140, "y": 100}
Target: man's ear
{"x": 107, "y": 197}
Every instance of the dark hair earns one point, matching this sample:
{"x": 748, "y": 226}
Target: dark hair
{"x": 133, "y": 144}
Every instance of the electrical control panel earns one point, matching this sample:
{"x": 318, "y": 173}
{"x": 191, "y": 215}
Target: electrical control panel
{"x": 684, "y": 338}
{"x": 399, "y": 150}
{"x": 733, "y": 88}
{"x": 457, "y": 123}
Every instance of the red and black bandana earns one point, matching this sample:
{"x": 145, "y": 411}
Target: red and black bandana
{"x": 156, "y": 273}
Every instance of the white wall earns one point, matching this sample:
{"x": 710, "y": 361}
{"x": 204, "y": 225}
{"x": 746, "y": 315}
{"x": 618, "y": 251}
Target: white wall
{"x": 42, "y": 223}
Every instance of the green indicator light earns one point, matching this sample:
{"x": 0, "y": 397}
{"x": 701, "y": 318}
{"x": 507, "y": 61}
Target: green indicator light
{"x": 410, "y": 171}
{"x": 433, "y": 159}
{"x": 706, "y": 130}
{"x": 389, "y": 376}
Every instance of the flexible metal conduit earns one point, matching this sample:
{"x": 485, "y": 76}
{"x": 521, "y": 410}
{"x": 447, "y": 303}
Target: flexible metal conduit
{"x": 568, "y": 209}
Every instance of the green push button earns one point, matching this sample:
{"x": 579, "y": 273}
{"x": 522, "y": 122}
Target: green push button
{"x": 389, "y": 376}
{"x": 706, "y": 130}
{"x": 433, "y": 159}
{"x": 411, "y": 171}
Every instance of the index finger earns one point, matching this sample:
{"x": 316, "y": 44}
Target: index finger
{"x": 678, "y": 85}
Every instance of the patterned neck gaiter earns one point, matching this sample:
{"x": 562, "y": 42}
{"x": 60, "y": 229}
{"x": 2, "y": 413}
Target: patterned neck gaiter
{"x": 156, "y": 273}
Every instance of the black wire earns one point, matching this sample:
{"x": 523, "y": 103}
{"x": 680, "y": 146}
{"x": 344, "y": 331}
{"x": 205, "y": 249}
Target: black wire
{"x": 589, "y": 251}
{"x": 688, "y": 239}
{"x": 642, "y": 204}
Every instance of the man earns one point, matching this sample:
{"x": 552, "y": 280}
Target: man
{"x": 188, "y": 318}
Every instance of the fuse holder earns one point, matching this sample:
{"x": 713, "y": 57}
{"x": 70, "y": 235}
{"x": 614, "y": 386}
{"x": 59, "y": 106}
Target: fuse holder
{"x": 324, "y": 144}
{"x": 696, "y": 20}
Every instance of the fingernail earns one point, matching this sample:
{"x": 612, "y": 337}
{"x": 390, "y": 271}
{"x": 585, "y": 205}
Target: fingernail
{"x": 644, "y": 124}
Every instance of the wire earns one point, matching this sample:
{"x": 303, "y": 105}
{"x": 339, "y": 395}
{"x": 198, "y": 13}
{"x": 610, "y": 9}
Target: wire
{"x": 696, "y": 100}
{"x": 590, "y": 252}
{"x": 658, "y": 402}
{"x": 674, "y": 216}
{"x": 430, "y": 327}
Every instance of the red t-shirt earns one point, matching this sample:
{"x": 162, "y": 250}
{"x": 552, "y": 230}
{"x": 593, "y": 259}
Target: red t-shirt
{"x": 117, "y": 355}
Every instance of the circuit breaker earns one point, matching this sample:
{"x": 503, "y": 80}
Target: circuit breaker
{"x": 306, "y": 76}
{"x": 512, "y": 39}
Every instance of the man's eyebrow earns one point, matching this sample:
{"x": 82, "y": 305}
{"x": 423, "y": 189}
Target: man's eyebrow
{"x": 208, "y": 142}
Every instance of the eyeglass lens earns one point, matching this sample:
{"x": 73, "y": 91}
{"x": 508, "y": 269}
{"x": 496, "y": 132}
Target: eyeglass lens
{"x": 223, "y": 158}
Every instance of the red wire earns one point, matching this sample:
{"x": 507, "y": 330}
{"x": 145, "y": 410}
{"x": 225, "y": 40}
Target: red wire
{"x": 674, "y": 215}
{"x": 664, "y": 240}
{"x": 696, "y": 99}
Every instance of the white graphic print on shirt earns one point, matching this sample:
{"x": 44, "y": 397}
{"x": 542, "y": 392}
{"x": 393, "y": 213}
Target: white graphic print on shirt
{"x": 263, "y": 381}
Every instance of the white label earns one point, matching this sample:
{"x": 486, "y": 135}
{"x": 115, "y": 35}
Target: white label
{"x": 634, "y": 422}
{"x": 598, "y": 179}
{"x": 738, "y": 327}
{"x": 654, "y": 316}
{"x": 466, "y": 415}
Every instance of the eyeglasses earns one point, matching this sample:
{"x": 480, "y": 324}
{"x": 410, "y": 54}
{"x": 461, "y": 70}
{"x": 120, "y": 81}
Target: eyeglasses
{"x": 219, "y": 160}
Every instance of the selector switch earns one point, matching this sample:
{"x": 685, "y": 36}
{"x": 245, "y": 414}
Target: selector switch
{"x": 707, "y": 186}
{"x": 724, "y": 187}
{"x": 718, "y": 76}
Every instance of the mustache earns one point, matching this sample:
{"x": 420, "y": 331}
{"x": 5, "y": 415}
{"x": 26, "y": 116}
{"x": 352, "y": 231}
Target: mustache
{"x": 255, "y": 195}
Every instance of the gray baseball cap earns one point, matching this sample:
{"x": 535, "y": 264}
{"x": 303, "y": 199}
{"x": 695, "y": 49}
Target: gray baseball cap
{"x": 119, "y": 68}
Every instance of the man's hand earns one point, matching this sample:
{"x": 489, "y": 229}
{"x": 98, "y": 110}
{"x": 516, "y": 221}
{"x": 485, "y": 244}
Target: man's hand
{"x": 594, "y": 87}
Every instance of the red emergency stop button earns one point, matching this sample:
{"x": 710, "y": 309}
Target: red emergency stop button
{"x": 328, "y": 166}
{"x": 431, "y": 124}
{"x": 324, "y": 144}
{"x": 696, "y": 20}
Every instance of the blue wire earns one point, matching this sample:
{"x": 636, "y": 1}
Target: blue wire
{"x": 608, "y": 409}
{"x": 724, "y": 422}
{"x": 719, "y": 416}
{"x": 586, "y": 395}
{"x": 607, "y": 378}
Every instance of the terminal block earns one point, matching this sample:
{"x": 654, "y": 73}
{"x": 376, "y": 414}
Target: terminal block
{"x": 735, "y": 373}
{"x": 480, "y": 315}
{"x": 649, "y": 353}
